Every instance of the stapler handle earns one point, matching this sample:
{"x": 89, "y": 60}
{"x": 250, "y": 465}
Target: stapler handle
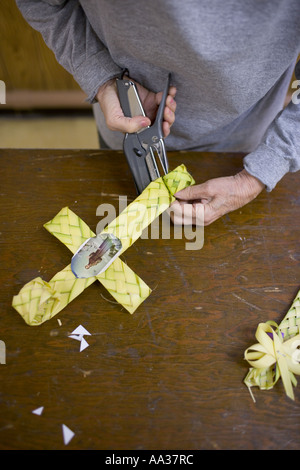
{"x": 160, "y": 112}
{"x": 132, "y": 106}
{"x": 154, "y": 133}
{"x": 123, "y": 97}
{"x": 129, "y": 98}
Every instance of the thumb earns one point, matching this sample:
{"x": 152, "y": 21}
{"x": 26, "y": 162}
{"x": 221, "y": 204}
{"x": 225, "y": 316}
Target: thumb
{"x": 193, "y": 193}
{"x": 125, "y": 124}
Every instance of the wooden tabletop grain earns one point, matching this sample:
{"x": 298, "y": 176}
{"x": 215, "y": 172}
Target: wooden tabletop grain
{"x": 170, "y": 376}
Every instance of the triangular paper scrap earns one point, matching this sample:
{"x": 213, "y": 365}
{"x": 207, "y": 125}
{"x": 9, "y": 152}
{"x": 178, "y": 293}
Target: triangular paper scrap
{"x": 78, "y": 337}
{"x": 83, "y": 344}
{"x": 38, "y": 411}
{"x": 80, "y": 330}
{"x": 67, "y": 434}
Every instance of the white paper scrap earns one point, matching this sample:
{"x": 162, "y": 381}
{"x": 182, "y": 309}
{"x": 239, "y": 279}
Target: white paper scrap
{"x": 83, "y": 344}
{"x": 78, "y": 337}
{"x": 78, "y": 334}
{"x": 38, "y": 411}
{"x": 67, "y": 434}
{"x": 80, "y": 330}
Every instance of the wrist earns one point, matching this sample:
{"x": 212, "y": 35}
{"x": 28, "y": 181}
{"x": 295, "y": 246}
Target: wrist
{"x": 249, "y": 184}
{"x": 104, "y": 87}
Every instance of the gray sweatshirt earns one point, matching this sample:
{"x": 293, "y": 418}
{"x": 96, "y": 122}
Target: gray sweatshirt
{"x": 231, "y": 61}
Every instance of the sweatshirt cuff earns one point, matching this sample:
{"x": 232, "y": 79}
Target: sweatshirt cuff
{"x": 266, "y": 165}
{"x": 94, "y": 72}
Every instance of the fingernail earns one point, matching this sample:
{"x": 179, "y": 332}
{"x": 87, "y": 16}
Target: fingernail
{"x": 144, "y": 123}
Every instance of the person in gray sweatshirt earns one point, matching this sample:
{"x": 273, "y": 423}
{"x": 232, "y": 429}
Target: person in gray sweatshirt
{"x": 231, "y": 64}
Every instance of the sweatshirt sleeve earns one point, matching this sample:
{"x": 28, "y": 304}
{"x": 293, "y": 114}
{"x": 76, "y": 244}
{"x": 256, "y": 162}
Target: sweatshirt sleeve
{"x": 68, "y": 33}
{"x": 279, "y": 152}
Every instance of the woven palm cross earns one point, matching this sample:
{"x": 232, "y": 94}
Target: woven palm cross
{"x": 38, "y": 300}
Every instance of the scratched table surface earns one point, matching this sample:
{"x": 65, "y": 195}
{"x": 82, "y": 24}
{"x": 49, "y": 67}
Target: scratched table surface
{"x": 170, "y": 376}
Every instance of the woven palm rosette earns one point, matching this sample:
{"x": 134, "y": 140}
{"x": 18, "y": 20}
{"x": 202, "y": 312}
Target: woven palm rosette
{"x": 38, "y": 301}
{"x": 276, "y": 355}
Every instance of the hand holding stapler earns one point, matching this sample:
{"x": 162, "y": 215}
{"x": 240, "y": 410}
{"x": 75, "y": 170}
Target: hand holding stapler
{"x": 144, "y": 150}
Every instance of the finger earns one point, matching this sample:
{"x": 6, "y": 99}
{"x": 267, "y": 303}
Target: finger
{"x": 204, "y": 200}
{"x": 172, "y": 91}
{"x": 187, "y": 214}
{"x": 175, "y": 212}
{"x": 169, "y": 119}
{"x": 119, "y": 122}
{"x": 210, "y": 214}
{"x": 166, "y": 128}
{"x": 171, "y": 103}
{"x": 169, "y": 115}
{"x": 170, "y": 97}
{"x": 214, "y": 210}
{"x": 194, "y": 193}
{"x": 194, "y": 214}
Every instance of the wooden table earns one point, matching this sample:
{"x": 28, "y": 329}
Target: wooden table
{"x": 171, "y": 375}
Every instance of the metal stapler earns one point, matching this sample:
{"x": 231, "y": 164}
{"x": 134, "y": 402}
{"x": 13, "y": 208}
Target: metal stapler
{"x": 144, "y": 150}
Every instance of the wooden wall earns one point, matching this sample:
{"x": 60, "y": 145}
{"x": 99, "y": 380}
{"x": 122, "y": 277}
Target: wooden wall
{"x": 28, "y": 67}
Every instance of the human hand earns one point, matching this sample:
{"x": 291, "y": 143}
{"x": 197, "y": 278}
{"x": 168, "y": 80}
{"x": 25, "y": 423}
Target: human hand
{"x": 108, "y": 99}
{"x": 214, "y": 198}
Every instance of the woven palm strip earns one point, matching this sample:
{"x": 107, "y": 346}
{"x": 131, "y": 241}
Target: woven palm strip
{"x": 178, "y": 179}
{"x": 290, "y": 325}
{"x": 121, "y": 282}
{"x": 39, "y": 301}
{"x": 266, "y": 378}
{"x": 154, "y": 200}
